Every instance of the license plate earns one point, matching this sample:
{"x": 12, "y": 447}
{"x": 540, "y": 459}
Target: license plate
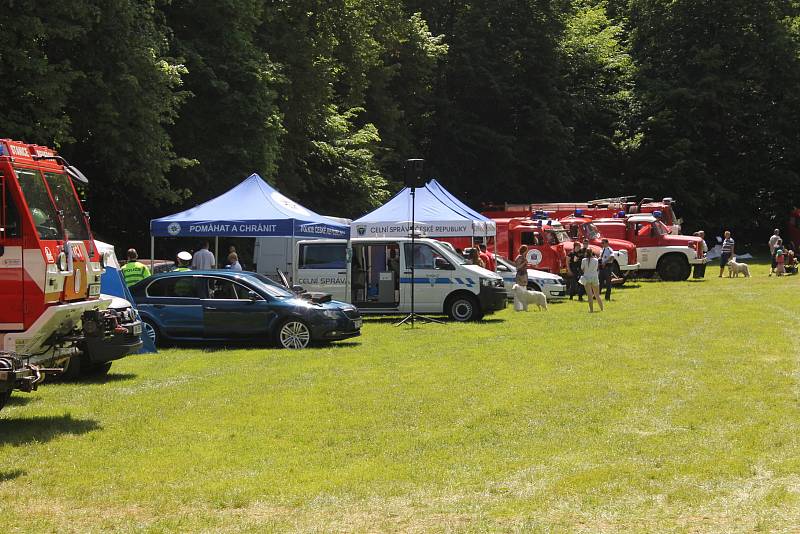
{"x": 137, "y": 329}
{"x": 357, "y": 322}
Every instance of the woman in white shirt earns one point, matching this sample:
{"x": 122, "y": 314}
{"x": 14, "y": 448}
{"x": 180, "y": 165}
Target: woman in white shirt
{"x": 591, "y": 279}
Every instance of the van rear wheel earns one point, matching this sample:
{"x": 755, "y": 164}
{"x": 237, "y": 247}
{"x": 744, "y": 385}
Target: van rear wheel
{"x": 463, "y": 308}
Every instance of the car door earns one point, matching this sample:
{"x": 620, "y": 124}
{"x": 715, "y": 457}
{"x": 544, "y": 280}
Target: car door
{"x": 322, "y": 267}
{"x": 433, "y": 278}
{"x": 175, "y": 305}
{"x": 232, "y": 310}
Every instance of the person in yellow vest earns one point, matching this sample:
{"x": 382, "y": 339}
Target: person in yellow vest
{"x": 134, "y": 271}
{"x": 184, "y": 259}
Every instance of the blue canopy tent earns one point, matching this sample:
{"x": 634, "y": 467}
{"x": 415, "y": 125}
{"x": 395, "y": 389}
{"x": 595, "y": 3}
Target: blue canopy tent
{"x": 251, "y": 209}
{"x": 437, "y": 214}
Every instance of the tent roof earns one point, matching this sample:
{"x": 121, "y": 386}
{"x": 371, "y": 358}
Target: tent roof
{"x": 251, "y": 209}
{"x": 437, "y": 213}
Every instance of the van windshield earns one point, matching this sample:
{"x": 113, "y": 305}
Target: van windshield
{"x": 43, "y": 212}
{"x": 64, "y": 196}
{"x": 452, "y": 256}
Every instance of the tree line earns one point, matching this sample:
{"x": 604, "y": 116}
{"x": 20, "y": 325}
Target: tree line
{"x": 164, "y": 104}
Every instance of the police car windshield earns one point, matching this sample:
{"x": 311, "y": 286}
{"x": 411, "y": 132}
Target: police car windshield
{"x": 271, "y": 288}
{"x": 64, "y": 196}
{"x": 44, "y": 214}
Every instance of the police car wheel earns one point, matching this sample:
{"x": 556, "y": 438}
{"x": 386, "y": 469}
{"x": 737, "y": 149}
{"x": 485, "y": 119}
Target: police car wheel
{"x": 463, "y": 309}
{"x": 150, "y": 331}
{"x": 294, "y": 334}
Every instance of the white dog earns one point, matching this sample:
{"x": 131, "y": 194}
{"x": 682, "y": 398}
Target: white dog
{"x": 734, "y": 268}
{"x": 523, "y": 297}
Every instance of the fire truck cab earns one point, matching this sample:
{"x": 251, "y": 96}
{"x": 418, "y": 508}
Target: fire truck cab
{"x": 580, "y": 227}
{"x": 671, "y": 256}
{"x": 547, "y": 240}
{"x": 50, "y": 267}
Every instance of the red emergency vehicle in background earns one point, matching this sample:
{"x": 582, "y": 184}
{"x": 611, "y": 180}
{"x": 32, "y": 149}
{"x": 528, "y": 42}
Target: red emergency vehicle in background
{"x": 601, "y": 208}
{"x": 580, "y": 227}
{"x": 671, "y": 256}
{"x": 50, "y": 267}
{"x": 547, "y": 240}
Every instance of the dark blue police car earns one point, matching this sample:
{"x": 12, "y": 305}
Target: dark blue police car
{"x": 238, "y": 306}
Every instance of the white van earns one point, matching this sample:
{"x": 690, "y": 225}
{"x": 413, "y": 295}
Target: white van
{"x": 375, "y": 275}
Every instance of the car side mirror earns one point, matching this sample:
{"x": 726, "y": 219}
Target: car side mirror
{"x": 253, "y": 296}
{"x": 298, "y": 289}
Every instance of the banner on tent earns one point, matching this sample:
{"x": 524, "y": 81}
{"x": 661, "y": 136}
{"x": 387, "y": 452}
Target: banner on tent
{"x": 454, "y": 229}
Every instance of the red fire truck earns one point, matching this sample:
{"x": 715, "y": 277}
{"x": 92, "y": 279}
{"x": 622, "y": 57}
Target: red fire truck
{"x": 49, "y": 265}
{"x": 671, "y": 256}
{"x": 583, "y": 227}
{"x": 547, "y": 240}
{"x": 600, "y": 208}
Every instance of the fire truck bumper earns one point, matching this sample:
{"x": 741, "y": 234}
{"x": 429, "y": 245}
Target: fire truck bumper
{"x": 629, "y": 267}
{"x": 105, "y": 349}
{"x": 52, "y": 338}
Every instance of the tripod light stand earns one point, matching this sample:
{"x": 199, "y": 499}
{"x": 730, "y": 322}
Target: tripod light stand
{"x": 413, "y": 178}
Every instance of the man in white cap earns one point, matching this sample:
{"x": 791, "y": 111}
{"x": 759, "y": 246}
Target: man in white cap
{"x": 184, "y": 258}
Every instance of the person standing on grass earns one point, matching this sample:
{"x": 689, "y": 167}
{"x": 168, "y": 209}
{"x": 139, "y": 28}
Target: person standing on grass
{"x": 203, "y": 259}
{"x": 728, "y": 248}
{"x": 591, "y": 279}
{"x": 779, "y": 258}
{"x": 521, "y": 263}
{"x": 134, "y": 271}
{"x": 773, "y": 243}
{"x": 487, "y": 258}
{"x": 575, "y": 257}
{"x": 606, "y": 267}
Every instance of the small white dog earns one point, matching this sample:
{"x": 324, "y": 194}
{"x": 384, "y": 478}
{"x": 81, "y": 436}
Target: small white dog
{"x": 735, "y": 268}
{"x": 523, "y": 297}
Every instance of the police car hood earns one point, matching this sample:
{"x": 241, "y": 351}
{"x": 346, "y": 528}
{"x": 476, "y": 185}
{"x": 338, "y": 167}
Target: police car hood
{"x": 542, "y": 275}
{"x": 480, "y": 271}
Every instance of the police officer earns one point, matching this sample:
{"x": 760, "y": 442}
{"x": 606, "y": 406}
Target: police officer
{"x": 183, "y": 261}
{"x": 134, "y": 271}
{"x": 606, "y": 268}
{"x": 575, "y": 257}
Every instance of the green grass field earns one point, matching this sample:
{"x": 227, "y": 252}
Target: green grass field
{"x": 676, "y": 409}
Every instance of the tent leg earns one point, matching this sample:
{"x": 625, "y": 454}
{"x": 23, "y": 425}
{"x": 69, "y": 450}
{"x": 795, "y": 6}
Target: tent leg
{"x": 152, "y": 251}
{"x": 216, "y": 250}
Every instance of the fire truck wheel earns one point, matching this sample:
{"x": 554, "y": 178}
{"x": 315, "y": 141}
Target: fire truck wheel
{"x": 4, "y": 396}
{"x": 73, "y": 369}
{"x": 463, "y": 307}
{"x": 673, "y": 268}
{"x": 100, "y": 369}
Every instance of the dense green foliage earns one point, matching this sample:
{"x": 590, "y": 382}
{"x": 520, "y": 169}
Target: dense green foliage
{"x": 172, "y": 102}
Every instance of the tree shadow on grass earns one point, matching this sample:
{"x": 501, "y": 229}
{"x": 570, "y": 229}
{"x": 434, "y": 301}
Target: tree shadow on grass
{"x": 93, "y": 379}
{"x": 25, "y": 430}
{"x": 23, "y": 399}
{"x": 11, "y": 474}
